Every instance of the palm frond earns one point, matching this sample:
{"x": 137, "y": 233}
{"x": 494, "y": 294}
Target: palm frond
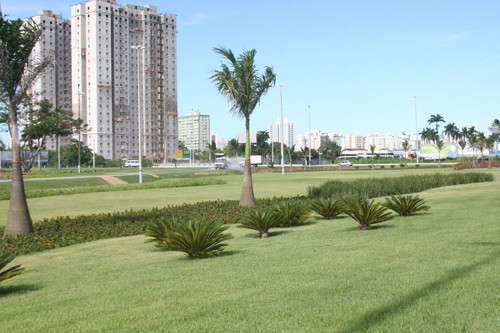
{"x": 406, "y": 205}
{"x": 260, "y": 221}
{"x": 328, "y": 208}
{"x": 365, "y": 212}
{"x": 5, "y": 259}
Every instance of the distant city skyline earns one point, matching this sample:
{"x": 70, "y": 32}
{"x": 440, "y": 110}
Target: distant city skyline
{"x": 357, "y": 64}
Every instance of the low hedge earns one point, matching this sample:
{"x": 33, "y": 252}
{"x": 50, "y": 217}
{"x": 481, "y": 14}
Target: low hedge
{"x": 477, "y": 165}
{"x": 65, "y": 231}
{"x": 379, "y": 187}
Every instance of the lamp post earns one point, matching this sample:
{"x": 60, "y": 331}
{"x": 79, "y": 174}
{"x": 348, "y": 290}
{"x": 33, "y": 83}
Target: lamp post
{"x": 281, "y": 131}
{"x": 138, "y": 48}
{"x": 80, "y": 94}
{"x": 309, "y": 135}
{"x": 272, "y": 140}
{"x": 416, "y": 129}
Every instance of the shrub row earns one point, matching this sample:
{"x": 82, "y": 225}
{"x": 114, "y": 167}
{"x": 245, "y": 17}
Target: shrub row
{"x": 477, "y": 165}
{"x": 65, "y": 231}
{"x": 378, "y": 187}
{"x": 5, "y": 195}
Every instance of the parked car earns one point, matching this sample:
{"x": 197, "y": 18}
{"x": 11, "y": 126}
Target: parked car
{"x": 346, "y": 163}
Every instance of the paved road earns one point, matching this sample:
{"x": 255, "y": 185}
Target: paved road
{"x": 112, "y": 175}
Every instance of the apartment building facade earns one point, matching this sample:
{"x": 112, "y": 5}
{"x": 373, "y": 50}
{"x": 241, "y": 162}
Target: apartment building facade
{"x": 54, "y": 84}
{"x": 124, "y": 70}
{"x": 194, "y": 130}
{"x": 290, "y": 135}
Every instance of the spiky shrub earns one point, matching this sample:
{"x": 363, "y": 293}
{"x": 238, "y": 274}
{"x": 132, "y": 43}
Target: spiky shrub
{"x": 406, "y": 205}
{"x": 158, "y": 229}
{"x": 327, "y": 208}
{"x": 291, "y": 212}
{"x": 5, "y": 259}
{"x": 198, "y": 239}
{"x": 260, "y": 221}
{"x": 365, "y": 211}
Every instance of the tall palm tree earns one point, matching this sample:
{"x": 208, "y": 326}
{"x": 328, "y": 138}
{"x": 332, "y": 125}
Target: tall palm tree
{"x": 462, "y": 144}
{"x": 472, "y": 137}
{"x": 17, "y": 75}
{"x": 243, "y": 86}
{"x": 406, "y": 147}
{"x": 436, "y": 119}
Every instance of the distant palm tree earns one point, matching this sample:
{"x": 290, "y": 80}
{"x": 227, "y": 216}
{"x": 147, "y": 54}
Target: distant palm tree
{"x": 372, "y": 149}
{"x": 232, "y": 148}
{"x": 435, "y": 119}
{"x": 490, "y": 144}
{"x": 406, "y": 147}
{"x": 429, "y": 135}
{"x": 495, "y": 127}
{"x": 471, "y": 135}
{"x": 241, "y": 84}
{"x": 451, "y": 130}
{"x": 481, "y": 144}
{"x": 439, "y": 146}
{"x": 462, "y": 144}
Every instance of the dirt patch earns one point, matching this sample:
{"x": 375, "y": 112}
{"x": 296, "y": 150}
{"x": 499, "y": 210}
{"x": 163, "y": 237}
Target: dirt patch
{"x": 114, "y": 181}
{"x": 155, "y": 176}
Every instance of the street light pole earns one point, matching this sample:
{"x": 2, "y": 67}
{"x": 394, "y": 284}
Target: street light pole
{"x": 416, "y": 129}
{"x": 79, "y": 129}
{"x": 272, "y": 140}
{"x": 139, "y": 119}
{"x": 309, "y": 135}
{"x": 281, "y": 131}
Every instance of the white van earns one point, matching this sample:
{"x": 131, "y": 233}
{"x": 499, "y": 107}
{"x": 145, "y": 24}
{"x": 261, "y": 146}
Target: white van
{"x": 132, "y": 164}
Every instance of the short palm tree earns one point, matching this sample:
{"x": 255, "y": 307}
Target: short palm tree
{"x": 243, "y": 87}
{"x": 462, "y": 144}
{"x": 365, "y": 211}
{"x": 406, "y": 205}
{"x": 439, "y": 146}
{"x": 328, "y": 208}
{"x": 159, "y": 228}
{"x": 259, "y": 220}
{"x": 5, "y": 259}
{"x": 291, "y": 212}
{"x": 406, "y": 147}
{"x": 372, "y": 150}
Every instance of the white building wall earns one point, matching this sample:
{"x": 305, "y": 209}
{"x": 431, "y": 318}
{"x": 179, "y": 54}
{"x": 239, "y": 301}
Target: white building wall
{"x": 110, "y": 78}
{"x": 54, "y": 84}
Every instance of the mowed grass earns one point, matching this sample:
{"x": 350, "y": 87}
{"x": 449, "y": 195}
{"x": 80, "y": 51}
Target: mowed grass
{"x": 433, "y": 272}
{"x": 266, "y": 184}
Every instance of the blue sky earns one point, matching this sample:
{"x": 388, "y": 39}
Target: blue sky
{"x": 357, "y": 63}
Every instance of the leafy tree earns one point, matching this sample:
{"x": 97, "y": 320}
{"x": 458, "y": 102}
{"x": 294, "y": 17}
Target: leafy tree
{"x": 262, "y": 147}
{"x": 40, "y": 121}
{"x": 490, "y": 144}
{"x": 231, "y": 148}
{"x": 241, "y": 84}
{"x": 406, "y": 147}
{"x": 495, "y": 127}
{"x": 17, "y": 75}
{"x": 330, "y": 150}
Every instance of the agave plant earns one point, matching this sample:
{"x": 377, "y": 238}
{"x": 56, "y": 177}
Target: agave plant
{"x": 406, "y": 205}
{"x": 260, "y": 221}
{"x": 327, "y": 208}
{"x": 5, "y": 259}
{"x": 290, "y": 213}
{"x": 159, "y": 228}
{"x": 198, "y": 239}
{"x": 365, "y": 211}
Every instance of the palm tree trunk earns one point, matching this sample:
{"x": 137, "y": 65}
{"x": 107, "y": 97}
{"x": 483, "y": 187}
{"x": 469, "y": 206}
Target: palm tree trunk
{"x": 18, "y": 216}
{"x": 247, "y": 198}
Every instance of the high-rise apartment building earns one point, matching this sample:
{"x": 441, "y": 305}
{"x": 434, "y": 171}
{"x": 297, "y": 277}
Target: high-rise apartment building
{"x": 194, "y": 131}
{"x": 54, "y": 84}
{"x": 123, "y": 60}
{"x": 289, "y": 132}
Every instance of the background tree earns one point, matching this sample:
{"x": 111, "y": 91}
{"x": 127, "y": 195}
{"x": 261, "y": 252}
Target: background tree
{"x": 495, "y": 127}
{"x": 406, "y": 147}
{"x": 262, "y": 147}
{"x": 490, "y": 144}
{"x": 17, "y": 75}
{"x": 372, "y": 150}
{"x": 330, "y": 150}
{"x": 471, "y": 135}
{"x": 212, "y": 149}
{"x": 462, "y": 144}
{"x": 436, "y": 119}
{"x": 439, "y": 144}
{"x": 452, "y": 132}
{"x": 243, "y": 88}
{"x": 231, "y": 148}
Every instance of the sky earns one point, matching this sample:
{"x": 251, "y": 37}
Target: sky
{"x": 358, "y": 64}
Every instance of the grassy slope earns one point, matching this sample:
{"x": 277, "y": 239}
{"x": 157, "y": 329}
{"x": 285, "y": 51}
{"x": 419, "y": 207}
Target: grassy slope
{"x": 434, "y": 272}
{"x": 265, "y": 185}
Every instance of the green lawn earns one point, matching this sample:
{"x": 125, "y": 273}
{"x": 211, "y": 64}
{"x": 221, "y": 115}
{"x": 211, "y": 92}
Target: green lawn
{"x": 433, "y": 272}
